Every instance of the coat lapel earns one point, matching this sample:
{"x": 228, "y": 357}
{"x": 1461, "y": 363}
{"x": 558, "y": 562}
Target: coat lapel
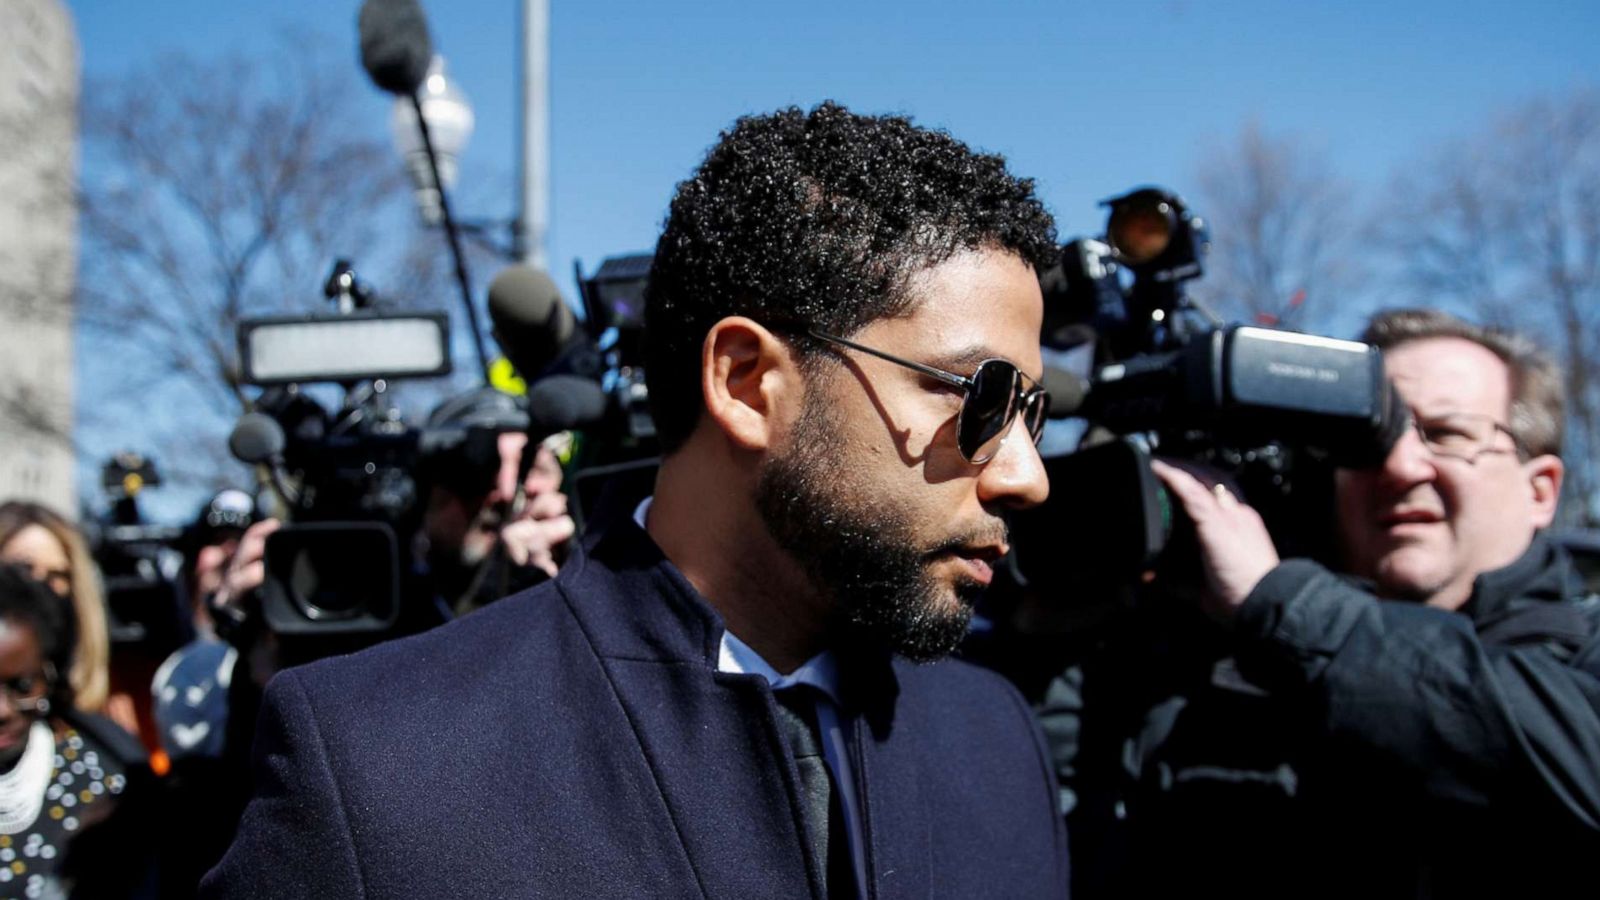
{"x": 889, "y": 781}
{"x": 710, "y": 740}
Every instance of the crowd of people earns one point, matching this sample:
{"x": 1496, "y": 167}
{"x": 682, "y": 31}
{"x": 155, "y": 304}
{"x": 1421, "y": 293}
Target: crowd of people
{"x": 760, "y": 678}
{"x": 150, "y": 767}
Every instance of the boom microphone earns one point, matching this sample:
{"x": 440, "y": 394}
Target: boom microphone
{"x": 395, "y": 47}
{"x": 532, "y": 325}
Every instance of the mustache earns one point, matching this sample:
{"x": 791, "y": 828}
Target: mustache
{"x": 991, "y": 531}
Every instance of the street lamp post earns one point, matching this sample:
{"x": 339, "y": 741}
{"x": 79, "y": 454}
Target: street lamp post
{"x": 431, "y": 126}
{"x": 448, "y": 115}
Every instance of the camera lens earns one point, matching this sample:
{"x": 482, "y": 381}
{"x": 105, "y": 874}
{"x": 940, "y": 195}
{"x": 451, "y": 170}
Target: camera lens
{"x": 1140, "y": 229}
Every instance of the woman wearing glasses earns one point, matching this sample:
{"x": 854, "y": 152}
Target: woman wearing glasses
{"x": 66, "y": 827}
{"x": 53, "y": 551}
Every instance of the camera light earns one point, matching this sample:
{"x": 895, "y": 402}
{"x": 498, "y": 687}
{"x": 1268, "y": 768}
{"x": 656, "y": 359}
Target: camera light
{"x": 344, "y": 348}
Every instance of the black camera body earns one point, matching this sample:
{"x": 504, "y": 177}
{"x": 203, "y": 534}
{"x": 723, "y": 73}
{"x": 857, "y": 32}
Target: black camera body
{"x": 613, "y": 302}
{"x": 1244, "y": 386}
{"x": 140, "y": 562}
{"x": 354, "y": 484}
{"x": 335, "y": 566}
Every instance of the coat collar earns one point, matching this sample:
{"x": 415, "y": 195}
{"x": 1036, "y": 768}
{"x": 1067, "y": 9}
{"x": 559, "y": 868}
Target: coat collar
{"x": 635, "y": 604}
{"x": 657, "y": 640}
{"x": 1540, "y": 597}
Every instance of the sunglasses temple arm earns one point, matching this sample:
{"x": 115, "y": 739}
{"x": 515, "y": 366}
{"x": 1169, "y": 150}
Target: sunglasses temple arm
{"x": 949, "y": 378}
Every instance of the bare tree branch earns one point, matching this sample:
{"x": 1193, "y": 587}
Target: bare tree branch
{"x": 1282, "y": 230}
{"x": 1506, "y": 222}
{"x": 215, "y": 191}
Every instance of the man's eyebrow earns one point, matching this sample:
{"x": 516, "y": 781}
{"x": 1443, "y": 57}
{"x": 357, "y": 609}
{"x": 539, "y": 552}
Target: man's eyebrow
{"x": 1442, "y": 412}
{"x": 962, "y": 360}
{"x": 965, "y": 360}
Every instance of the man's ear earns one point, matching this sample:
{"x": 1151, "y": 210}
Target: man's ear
{"x": 1544, "y": 477}
{"x": 747, "y": 379}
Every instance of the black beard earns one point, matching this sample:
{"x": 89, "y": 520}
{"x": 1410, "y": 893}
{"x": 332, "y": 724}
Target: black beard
{"x": 859, "y": 549}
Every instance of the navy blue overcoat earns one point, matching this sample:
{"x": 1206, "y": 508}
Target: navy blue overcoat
{"x": 576, "y": 740}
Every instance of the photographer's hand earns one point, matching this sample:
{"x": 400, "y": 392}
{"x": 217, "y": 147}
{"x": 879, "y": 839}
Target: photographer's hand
{"x": 538, "y": 533}
{"x": 247, "y": 570}
{"x": 537, "y": 536}
{"x": 1235, "y": 548}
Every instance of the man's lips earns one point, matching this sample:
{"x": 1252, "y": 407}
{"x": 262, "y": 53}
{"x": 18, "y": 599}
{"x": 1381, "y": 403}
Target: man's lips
{"x": 1410, "y": 516}
{"x": 979, "y": 560}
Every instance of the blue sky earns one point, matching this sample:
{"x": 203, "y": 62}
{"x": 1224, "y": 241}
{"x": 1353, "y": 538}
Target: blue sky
{"x": 1088, "y": 98}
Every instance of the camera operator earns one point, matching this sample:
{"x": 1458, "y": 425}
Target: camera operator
{"x": 207, "y": 695}
{"x": 483, "y": 540}
{"x": 189, "y": 689}
{"x": 1426, "y": 723}
{"x": 476, "y": 542}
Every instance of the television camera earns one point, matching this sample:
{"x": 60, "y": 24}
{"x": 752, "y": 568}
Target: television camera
{"x": 1275, "y": 410}
{"x": 141, "y": 562}
{"x": 351, "y": 479}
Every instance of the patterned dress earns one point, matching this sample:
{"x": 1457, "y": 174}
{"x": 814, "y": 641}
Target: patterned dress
{"x": 81, "y": 783}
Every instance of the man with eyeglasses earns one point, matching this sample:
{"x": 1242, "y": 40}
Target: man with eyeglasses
{"x": 1443, "y": 710}
{"x": 734, "y": 687}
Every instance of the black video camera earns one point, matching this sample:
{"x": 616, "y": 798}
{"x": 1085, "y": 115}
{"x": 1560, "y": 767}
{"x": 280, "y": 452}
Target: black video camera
{"x": 613, "y": 302}
{"x": 1276, "y": 410}
{"x": 141, "y": 563}
{"x": 619, "y": 452}
{"x": 352, "y": 481}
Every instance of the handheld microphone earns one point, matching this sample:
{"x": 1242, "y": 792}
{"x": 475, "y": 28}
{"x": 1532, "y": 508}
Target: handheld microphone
{"x": 556, "y": 403}
{"x": 395, "y": 46}
{"x": 563, "y": 403}
{"x": 256, "y": 438}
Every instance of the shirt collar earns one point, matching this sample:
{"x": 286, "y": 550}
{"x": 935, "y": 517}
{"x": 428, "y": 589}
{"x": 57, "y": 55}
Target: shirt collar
{"x": 736, "y": 657}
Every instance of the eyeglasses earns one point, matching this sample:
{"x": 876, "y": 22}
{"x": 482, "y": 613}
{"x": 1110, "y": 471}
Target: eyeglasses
{"x": 995, "y": 395}
{"x": 1465, "y": 436}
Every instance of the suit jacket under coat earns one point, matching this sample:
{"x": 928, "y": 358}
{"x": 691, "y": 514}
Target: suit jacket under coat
{"x": 576, "y": 740}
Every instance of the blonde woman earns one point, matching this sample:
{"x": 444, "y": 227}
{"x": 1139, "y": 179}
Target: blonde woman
{"x": 53, "y": 551}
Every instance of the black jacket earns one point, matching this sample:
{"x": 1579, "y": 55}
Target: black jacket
{"x": 1335, "y": 744}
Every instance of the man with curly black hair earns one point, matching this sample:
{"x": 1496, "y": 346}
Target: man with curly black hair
{"x": 733, "y": 688}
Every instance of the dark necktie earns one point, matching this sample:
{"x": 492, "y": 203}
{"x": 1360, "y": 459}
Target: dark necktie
{"x": 797, "y": 719}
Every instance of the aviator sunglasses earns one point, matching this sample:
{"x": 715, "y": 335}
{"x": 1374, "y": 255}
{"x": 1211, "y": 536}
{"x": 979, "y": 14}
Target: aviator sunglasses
{"x": 994, "y": 395}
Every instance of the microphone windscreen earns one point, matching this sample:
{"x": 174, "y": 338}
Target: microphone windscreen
{"x": 531, "y": 322}
{"x": 1066, "y": 389}
{"x": 563, "y": 402}
{"x": 395, "y": 47}
{"x": 256, "y": 438}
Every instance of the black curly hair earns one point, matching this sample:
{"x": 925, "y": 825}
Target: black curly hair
{"x": 817, "y": 220}
{"x": 28, "y": 602}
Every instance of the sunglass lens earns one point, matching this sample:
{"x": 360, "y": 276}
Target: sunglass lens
{"x": 1034, "y": 413}
{"x": 989, "y": 407}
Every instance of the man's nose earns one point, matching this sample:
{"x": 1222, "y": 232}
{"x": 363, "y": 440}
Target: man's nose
{"x": 1409, "y": 461}
{"x": 1015, "y": 478}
